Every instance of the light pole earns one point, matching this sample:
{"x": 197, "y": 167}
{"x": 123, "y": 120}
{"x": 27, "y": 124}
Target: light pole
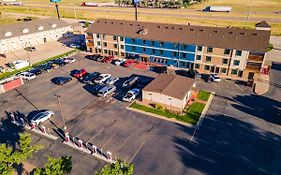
{"x": 249, "y": 13}
{"x": 136, "y": 3}
{"x": 58, "y": 97}
{"x": 57, "y": 6}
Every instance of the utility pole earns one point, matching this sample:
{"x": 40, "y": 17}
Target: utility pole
{"x": 136, "y": 3}
{"x": 249, "y": 13}
{"x": 58, "y": 97}
{"x": 57, "y": 6}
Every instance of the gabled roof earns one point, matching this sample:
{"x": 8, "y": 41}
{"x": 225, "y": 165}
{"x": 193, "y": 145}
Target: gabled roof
{"x": 262, "y": 24}
{"x": 171, "y": 85}
{"x": 31, "y": 26}
{"x": 231, "y": 38}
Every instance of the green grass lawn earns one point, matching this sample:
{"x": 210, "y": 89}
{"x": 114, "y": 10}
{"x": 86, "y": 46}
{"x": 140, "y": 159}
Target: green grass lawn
{"x": 9, "y": 74}
{"x": 203, "y": 95}
{"x": 192, "y": 115}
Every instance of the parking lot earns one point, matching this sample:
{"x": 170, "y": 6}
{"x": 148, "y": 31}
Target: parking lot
{"x": 155, "y": 146}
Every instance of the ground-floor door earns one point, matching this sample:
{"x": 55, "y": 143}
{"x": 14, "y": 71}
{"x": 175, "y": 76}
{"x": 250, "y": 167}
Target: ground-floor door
{"x": 240, "y": 73}
{"x": 212, "y": 69}
{"x": 251, "y": 75}
{"x": 217, "y": 69}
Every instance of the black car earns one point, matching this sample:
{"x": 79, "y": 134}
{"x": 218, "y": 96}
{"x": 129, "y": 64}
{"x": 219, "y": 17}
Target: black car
{"x": 59, "y": 62}
{"x": 36, "y": 71}
{"x": 194, "y": 73}
{"x": 30, "y": 49}
{"x": 99, "y": 59}
{"x": 89, "y": 78}
{"x": 61, "y": 80}
{"x": 97, "y": 87}
{"x": 45, "y": 67}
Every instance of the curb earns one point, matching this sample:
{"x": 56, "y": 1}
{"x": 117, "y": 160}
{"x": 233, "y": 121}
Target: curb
{"x": 160, "y": 117}
{"x": 206, "y": 108}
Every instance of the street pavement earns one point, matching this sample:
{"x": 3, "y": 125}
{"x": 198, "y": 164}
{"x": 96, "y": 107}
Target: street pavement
{"x": 239, "y": 135}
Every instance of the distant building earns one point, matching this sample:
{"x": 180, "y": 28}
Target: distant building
{"x": 170, "y": 91}
{"x": 231, "y": 52}
{"x": 21, "y": 35}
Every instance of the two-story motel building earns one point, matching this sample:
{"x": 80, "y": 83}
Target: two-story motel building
{"x": 230, "y": 52}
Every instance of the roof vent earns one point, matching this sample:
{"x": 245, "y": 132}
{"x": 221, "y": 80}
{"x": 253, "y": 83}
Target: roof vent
{"x": 215, "y": 31}
{"x": 131, "y": 24}
{"x": 191, "y": 29}
{"x": 7, "y": 34}
{"x": 25, "y": 30}
{"x": 242, "y": 33}
{"x": 166, "y": 27}
{"x": 201, "y": 30}
{"x": 138, "y": 25}
{"x": 230, "y": 32}
{"x": 158, "y": 27}
{"x": 98, "y": 21}
{"x": 111, "y": 22}
{"x": 180, "y": 28}
{"x": 142, "y": 31}
{"x": 121, "y": 23}
{"x": 172, "y": 28}
{"x": 54, "y": 25}
{"x": 40, "y": 28}
{"x": 255, "y": 34}
{"x": 105, "y": 22}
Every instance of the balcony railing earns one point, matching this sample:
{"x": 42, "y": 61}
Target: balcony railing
{"x": 90, "y": 44}
{"x": 255, "y": 58}
{"x": 253, "y": 66}
{"x": 89, "y": 37}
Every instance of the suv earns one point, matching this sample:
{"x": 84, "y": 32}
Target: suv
{"x": 131, "y": 81}
{"x": 89, "y": 79}
{"x": 102, "y": 78}
{"x": 27, "y": 75}
{"x": 106, "y": 91}
{"x": 214, "y": 77}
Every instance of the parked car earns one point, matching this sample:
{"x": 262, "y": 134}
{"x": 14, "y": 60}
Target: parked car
{"x": 102, "y": 78}
{"x": 30, "y": 49}
{"x": 107, "y": 59}
{"x": 99, "y": 59}
{"x": 128, "y": 63}
{"x": 42, "y": 117}
{"x": 95, "y": 56}
{"x": 74, "y": 46}
{"x": 2, "y": 69}
{"x": 89, "y": 79}
{"x": 80, "y": 73}
{"x": 131, "y": 95}
{"x": 130, "y": 81}
{"x": 194, "y": 73}
{"x": 97, "y": 87}
{"x": 36, "y": 71}
{"x": 59, "y": 62}
{"x": 159, "y": 69}
{"x": 214, "y": 77}
{"x": 27, "y": 75}
{"x": 111, "y": 80}
{"x": 61, "y": 80}
{"x": 52, "y": 64}
{"x": 69, "y": 60}
{"x": 45, "y": 67}
{"x": 119, "y": 62}
{"x": 106, "y": 91}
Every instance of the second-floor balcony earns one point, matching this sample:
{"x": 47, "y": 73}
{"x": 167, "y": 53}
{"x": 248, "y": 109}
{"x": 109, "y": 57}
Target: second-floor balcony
{"x": 253, "y": 66}
{"x": 89, "y": 37}
{"x": 256, "y": 58}
{"x": 90, "y": 44}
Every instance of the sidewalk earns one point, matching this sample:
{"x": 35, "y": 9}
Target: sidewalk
{"x": 262, "y": 84}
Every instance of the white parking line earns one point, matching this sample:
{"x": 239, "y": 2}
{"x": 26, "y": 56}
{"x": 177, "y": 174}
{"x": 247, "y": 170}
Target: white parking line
{"x": 239, "y": 87}
{"x": 97, "y": 133}
{"x": 109, "y": 139}
{"x": 137, "y": 151}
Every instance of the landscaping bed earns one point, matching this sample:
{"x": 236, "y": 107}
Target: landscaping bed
{"x": 191, "y": 116}
{"x": 203, "y": 95}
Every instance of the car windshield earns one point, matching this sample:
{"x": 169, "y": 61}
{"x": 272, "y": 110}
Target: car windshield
{"x": 39, "y": 116}
{"x": 129, "y": 95}
{"x": 99, "y": 78}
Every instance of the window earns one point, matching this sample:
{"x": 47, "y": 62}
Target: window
{"x": 153, "y": 51}
{"x": 208, "y": 59}
{"x": 121, "y": 38}
{"x": 99, "y": 50}
{"x": 122, "y": 46}
{"x": 103, "y": 36}
{"x": 238, "y": 53}
{"x": 234, "y": 72}
{"x": 105, "y": 44}
{"x": 133, "y": 48}
{"x": 206, "y": 67}
{"x": 236, "y": 62}
{"x": 161, "y": 44}
{"x": 161, "y": 52}
{"x": 143, "y": 49}
{"x": 174, "y": 45}
{"x": 115, "y": 53}
{"x": 224, "y": 61}
{"x": 144, "y": 42}
{"x": 115, "y": 45}
{"x": 209, "y": 49}
{"x": 98, "y": 43}
{"x": 226, "y": 51}
{"x": 197, "y": 66}
{"x": 153, "y": 43}
{"x": 133, "y": 40}
{"x": 105, "y": 51}
{"x": 198, "y": 57}
{"x": 223, "y": 70}
{"x": 98, "y": 35}
{"x": 184, "y": 47}
{"x": 184, "y": 55}
{"x": 175, "y": 54}
{"x": 199, "y": 48}
{"x": 114, "y": 38}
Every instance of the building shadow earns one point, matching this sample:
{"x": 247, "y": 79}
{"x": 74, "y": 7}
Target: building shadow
{"x": 225, "y": 145}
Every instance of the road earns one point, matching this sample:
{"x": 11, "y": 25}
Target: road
{"x": 161, "y": 14}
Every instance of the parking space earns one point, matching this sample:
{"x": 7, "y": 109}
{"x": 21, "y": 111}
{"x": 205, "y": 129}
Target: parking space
{"x": 155, "y": 146}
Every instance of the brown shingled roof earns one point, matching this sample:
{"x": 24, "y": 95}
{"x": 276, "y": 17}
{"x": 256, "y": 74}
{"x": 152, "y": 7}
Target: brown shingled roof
{"x": 231, "y": 38}
{"x": 171, "y": 85}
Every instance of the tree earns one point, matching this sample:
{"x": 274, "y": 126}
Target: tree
{"x": 8, "y": 157}
{"x": 87, "y": 24}
{"x": 118, "y": 168}
{"x": 56, "y": 166}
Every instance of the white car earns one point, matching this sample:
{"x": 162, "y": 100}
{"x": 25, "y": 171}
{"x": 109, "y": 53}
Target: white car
{"x": 27, "y": 75}
{"x": 42, "y": 116}
{"x": 120, "y": 61}
{"x": 69, "y": 60}
{"x": 215, "y": 77}
{"x": 131, "y": 95}
{"x": 102, "y": 78}
{"x": 106, "y": 91}
{"x": 111, "y": 80}
{"x": 74, "y": 46}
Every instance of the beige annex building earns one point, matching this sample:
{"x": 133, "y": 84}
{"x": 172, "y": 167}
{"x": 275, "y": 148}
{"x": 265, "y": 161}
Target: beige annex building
{"x": 171, "y": 91}
{"x": 32, "y": 33}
